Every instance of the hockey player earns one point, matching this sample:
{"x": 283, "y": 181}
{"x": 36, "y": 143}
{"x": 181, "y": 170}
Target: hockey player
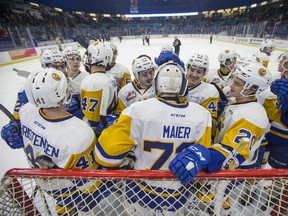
{"x": 120, "y": 73}
{"x": 275, "y": 102}
{"x": 98, "y": 90}
{"x": 48, "y": 59}
{"x": 227, "y": 60}
{"x": 75, "y": 77}
{"x": 53, "y": 138}
{"x": 142, "y": 87}
{"x": 200, "y": 92}
{"x": 74, "y": 73}
{"x": 156, "y": 129}
{"x": 244, "y": 118}
{"x": 267, "y": 47}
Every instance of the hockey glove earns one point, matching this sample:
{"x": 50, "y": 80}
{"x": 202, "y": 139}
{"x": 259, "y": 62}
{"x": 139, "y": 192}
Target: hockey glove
{"x": 11, "y": 136}
{"x": 280, "y": 87}
{"x": 169, "y": 56}
{"x": 187, "y": 164}
{"x": 22, "y": 97}
{"x": 110, "y": 119}
{"x": 221, "y": 106}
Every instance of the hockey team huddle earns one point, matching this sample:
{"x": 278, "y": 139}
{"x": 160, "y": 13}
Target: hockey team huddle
{"x": 182, "y": 117}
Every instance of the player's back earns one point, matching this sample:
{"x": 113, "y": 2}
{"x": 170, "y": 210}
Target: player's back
{"x": 160, "y": 130}
{"x": 158, "y": 124}
{"x": 98, "y": 96}
{"x": 63, "y": 139}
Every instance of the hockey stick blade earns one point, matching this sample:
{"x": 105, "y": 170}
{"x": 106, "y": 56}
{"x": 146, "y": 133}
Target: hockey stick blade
{"x": 11, "y": 117}
{"x": 22, "y": 73}
{"x": 82, "y": 41}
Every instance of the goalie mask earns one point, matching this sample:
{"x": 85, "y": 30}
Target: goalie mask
{"x": 254, "y": 75}
{"x": 171, "y": 78}
{"x": 47, "y": 88}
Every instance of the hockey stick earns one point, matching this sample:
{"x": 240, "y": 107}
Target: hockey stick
{"x": 11, "y": 117}
{"x": 82, "y": 41}
{"x": 221, "y": 93}
{"x": 22, "y": 73}
{"x": 221, "y": 194}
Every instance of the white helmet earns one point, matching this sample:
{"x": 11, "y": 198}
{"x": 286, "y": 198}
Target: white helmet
{"x": 267, "y": 44}
{"x": 225, "y": 55}
{"x": 253, "y": 75}
{"x": 141, "y": 64}
{"x": 171, "y": 78}
{"x": 70, "y": 51}
{"x": 167, "y": 47}
{"x": 49, "y": 57}
{"x": 47, "y": 88}
{"x": 98, "y": 54}
{"x": 200, "y": 60}
{"x": 262, "y": 58}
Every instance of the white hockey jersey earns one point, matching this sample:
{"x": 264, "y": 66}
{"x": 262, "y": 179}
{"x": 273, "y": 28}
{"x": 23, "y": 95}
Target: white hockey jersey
{"x": 130, "y": 94}
{"x": 216, "y": 77}
{"x": 239, "y": 120}
{"x": 278, "y": 131}
{"x": 156, "y": 130}
{"x": 207, "y": 96}
{"x": 121, "y": 74}
{"x": 98, "y": 96}
{"x": 68, "y": 141}
{"x": 75, "y": 82}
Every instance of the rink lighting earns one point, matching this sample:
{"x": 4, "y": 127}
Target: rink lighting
{"x": 34, "y": 4}
{"x": 160, "y": 15}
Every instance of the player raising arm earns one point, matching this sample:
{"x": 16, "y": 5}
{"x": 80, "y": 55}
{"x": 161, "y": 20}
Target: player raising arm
{"x": 156, "y": 129}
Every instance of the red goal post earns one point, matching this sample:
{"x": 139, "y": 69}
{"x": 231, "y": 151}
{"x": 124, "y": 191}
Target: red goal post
{"x": 234, "y": 192}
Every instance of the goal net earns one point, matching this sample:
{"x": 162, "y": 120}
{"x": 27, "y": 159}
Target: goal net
{"x": 133, "y": 192}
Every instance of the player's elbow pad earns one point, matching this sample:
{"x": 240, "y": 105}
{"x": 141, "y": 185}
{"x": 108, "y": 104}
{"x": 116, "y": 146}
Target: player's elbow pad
{"x": 217, "y": 160}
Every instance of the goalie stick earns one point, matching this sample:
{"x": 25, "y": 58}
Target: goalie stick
{"x": 11, "y": 117}
{"x": 22, "y": 73}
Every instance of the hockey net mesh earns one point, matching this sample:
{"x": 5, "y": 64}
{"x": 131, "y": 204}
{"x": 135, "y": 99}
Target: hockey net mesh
{"x": 122, "y": 192}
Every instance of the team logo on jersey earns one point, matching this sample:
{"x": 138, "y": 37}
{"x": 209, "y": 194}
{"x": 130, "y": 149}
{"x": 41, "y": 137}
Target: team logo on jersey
{"x": 56, "y": 76}
{"x": 131, "y": 95}
{"x": 262, "y": 72}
